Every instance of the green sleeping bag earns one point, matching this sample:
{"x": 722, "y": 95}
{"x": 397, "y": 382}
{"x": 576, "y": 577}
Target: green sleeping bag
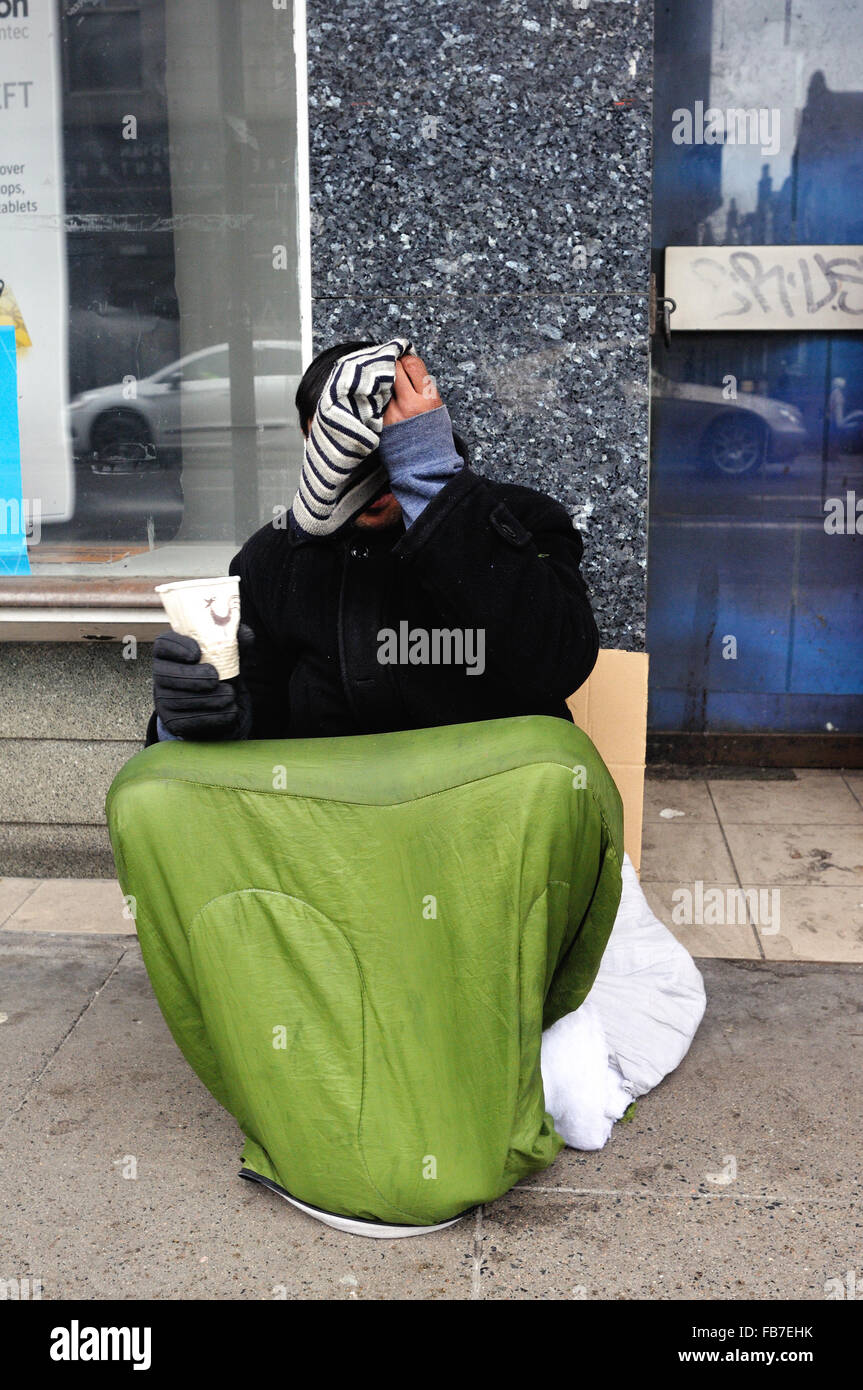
{"x": 357, "y": 942}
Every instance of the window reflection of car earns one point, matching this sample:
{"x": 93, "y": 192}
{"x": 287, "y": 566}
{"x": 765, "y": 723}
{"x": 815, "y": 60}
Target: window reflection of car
{"x": 132, "y": 425}
{"x": 735, "y": 437}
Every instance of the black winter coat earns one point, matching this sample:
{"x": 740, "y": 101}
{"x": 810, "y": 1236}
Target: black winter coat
{"x": 482, "y": 555}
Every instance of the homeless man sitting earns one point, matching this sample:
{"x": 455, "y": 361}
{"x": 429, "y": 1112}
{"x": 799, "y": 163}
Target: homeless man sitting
{"x": 406, "y": 591}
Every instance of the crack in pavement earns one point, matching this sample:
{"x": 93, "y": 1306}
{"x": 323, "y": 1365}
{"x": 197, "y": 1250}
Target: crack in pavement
{"x": 69, "y": 1031}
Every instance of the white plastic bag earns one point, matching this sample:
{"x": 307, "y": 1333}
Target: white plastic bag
{"x": 635, "y": 1027}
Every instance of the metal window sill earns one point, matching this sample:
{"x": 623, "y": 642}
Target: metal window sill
{"x": 80, "y": 610}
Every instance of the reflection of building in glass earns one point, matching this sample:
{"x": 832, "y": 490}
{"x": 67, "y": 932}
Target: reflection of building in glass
{"x": 687, "y": 179}
{"x": 828, "y": 166}
{"x": 179, "y": 142}
{"x": 822, "y": 198}
{"x": 751, "y": 432}
{"x": 821, "y": 201}
{"x": 120, "y": 246}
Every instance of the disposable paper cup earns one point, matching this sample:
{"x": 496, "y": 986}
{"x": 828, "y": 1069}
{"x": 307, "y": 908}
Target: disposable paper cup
{"x": 209, "y": 611}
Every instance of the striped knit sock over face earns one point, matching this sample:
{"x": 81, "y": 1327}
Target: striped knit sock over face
{"x": 338, "y": 480}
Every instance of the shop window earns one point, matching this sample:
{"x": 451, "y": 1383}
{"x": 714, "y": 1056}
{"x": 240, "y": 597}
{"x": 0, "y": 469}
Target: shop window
{"x": 755, "y": 610}
{"x": 103, "y": 49}
{"x": 150, "y": 310}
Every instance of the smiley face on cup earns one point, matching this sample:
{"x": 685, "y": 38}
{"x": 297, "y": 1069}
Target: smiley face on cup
{"x": 209, "y": 611}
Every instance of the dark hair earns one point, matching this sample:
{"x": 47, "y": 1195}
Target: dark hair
{"x": 316, "y": 375}
{"x": 315, "y": 378}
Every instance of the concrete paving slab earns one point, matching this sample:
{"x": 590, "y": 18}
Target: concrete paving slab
{"x": 684, "y": 850}
{"x": 735, "y": 940}
{"x": 119, "y": 1098}
{"x": 45, "y": 986}
{"x": 804, "y": 801}
{"x": 689, "y": 799}
{"x": 817, "y": 922}
{"x": 814, "y": 853}
{"x": 738, "y": 1177}
{"x": 560, "y": 1247}
{"x": 13, "y": 892}
{"x": 771, "y": 1081}
{"x": 88, "y": 906}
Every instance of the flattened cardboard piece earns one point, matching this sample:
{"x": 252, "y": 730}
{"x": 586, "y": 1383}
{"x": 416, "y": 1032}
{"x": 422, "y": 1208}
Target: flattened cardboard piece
{"x": 611, "y": 707}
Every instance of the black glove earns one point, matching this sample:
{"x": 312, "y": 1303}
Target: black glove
{"x": 189, "y": 698}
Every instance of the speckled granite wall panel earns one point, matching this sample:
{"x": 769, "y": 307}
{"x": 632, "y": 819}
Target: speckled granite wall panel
{"x": 480, "y": 181}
